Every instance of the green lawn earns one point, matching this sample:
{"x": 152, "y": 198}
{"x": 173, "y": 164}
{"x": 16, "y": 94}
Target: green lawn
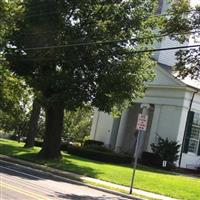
{"x": 148, "y": 179}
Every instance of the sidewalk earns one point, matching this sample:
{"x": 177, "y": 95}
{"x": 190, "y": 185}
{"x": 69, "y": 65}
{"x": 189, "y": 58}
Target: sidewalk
{"x": 85, "y": 179}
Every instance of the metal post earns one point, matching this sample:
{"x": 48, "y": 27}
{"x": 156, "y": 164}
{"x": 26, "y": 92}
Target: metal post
{"x": 140, "y": 131}
{"x": 135, "y": 160}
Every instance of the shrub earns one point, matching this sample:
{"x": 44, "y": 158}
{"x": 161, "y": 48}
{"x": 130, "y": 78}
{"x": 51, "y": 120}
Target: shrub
{"x": 151, "y": 159}
{"x": 97, "y": 148}
{"x": 38, "y": 143}
{"x": 93, "y": 142}
{"x": 14, "y": 137}
{"x": 167, "y": 149}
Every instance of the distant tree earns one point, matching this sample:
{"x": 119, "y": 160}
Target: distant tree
{"x": 107, "y": 74}
{"x": 181, "y": 27}
{"x": 15, "y": 98}
{"x": 10, "y": 12}
{"x": 32, "y": 129}
{"x": 77, "y": 124}
{"x": 14, "y": 113}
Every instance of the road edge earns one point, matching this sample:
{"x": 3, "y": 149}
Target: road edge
{"x": 67, "y": 176}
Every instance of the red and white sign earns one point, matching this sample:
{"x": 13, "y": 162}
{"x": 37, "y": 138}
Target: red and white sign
{"x": 142, "y": 122}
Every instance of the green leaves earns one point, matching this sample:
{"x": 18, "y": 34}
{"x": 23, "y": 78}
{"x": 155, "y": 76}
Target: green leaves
{"x": 167, "y": 149}
{"x": 80, "y": 53}
{"x": 177, "y": 22}
{"x": 188, "y": 63}
{"x": 77, "y": 124}
{"x": 15, "y": 101}
{"x": 10, "y": 12}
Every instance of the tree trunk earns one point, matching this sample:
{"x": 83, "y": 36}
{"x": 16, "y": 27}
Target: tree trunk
{"x": 33, "y": 124}
{"x": 53, "y": 131}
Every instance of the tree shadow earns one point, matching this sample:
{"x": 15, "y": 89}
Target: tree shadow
{"x": 65, "y": 163}
{"x": 35, "y": 176}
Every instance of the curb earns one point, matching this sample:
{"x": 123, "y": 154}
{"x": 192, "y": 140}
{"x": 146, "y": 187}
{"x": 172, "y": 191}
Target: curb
{"x": 67, "y": 176}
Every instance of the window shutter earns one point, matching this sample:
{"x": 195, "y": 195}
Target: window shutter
{"x": 188, "y": 131}
{"x": 198, "y": 153}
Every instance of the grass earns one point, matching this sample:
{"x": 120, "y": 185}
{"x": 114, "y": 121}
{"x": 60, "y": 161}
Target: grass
{"x": 157, "y": 181}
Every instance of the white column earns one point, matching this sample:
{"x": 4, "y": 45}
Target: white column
{"x": 182, "y": 123}
{"x": 94, "y": 124}
{"x": 121, "y": 131}
{"x": 154, "y": 125}
{"x": 180, "y": 135}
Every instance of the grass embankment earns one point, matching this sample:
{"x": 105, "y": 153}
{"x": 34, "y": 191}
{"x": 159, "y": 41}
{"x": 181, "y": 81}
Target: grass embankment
{"x": 148, "y": 179}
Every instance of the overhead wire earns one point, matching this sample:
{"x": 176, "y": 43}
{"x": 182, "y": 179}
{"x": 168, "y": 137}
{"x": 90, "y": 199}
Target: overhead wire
{"x": 111, "y": 41}
{"x": 107, "y": 41}
{"x": 140, "y": 51}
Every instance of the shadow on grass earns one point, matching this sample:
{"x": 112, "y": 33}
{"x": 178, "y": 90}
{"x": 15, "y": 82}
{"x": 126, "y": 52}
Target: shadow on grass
{"x": 32, "y": 156}
{"x": 65, "y": 164}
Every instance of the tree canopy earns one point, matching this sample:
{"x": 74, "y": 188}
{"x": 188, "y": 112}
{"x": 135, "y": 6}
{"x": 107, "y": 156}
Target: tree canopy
{"x": 80, "y": 74}
{"x": 10, "y": 12}
{"x": 77, "y": 124}
{"x": 15, "y": 101}
{"x": 77, "y": 53}
{"x": 185, "y": 27}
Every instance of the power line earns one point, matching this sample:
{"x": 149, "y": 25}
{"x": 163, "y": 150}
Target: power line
{"x": 133, "y": 52}
{"x": 137, "y": 51}
{"x": 91, "y": 43}
{"x": 167, "y": 49}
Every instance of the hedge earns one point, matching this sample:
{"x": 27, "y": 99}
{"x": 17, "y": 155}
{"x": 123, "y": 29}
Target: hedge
{"x": 99, "y": 156}
{"x": 151, "y": 159}
{"x": 93, "y": 142}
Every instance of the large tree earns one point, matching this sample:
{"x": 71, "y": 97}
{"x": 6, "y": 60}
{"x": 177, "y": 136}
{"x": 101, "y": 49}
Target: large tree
{"x": 77, "y": 53}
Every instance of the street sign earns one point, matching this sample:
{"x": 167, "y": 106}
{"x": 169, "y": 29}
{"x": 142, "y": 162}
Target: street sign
{"x": 141, "y": 127}
{"x": 142, "y": 122}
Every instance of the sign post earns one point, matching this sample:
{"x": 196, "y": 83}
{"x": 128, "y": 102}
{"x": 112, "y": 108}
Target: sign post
{"x": 141, "y": 127}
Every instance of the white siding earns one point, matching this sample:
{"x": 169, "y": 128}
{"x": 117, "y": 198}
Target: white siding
{"x": 102, "y": 127}
{"x": 190, "y": 161}
{"x": 166, "y": 123}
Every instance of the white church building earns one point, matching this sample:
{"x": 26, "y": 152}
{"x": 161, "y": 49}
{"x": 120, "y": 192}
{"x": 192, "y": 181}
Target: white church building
{"x": 172, "y": 103}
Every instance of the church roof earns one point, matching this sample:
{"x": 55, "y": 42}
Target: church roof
{"x": 195, "y": 84}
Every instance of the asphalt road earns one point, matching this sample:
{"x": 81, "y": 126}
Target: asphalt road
{"x": 22, "y": 183}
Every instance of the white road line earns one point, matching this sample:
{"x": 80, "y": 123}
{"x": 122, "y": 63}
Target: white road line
{"x": 33, "y": 176}
{"x": 28, "y": 184}
{"x": 68, "y": 180}
{"x": 64, "y": 179}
